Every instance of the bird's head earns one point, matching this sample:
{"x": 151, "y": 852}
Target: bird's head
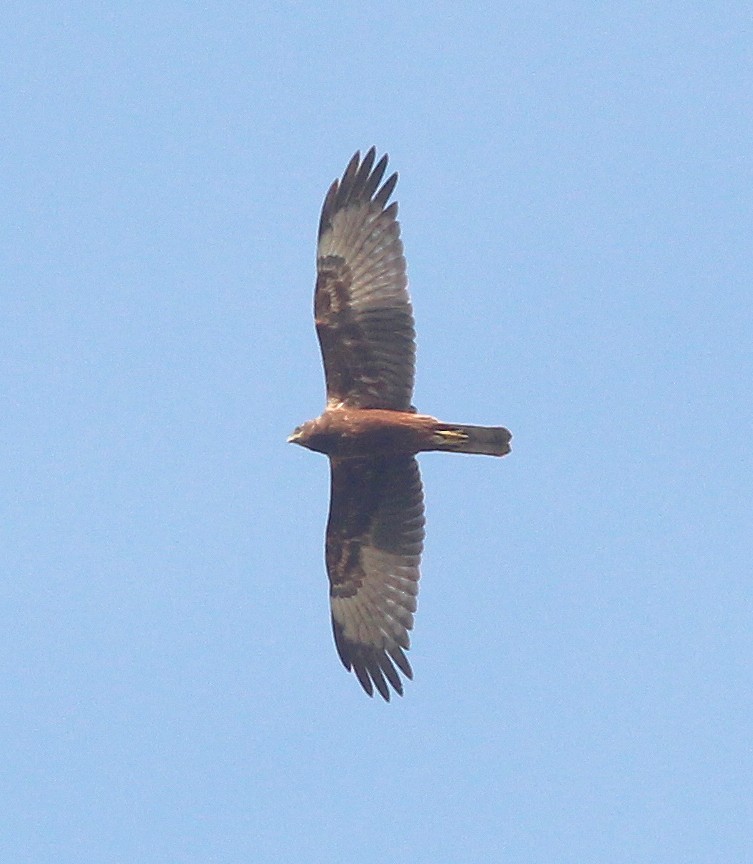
{"x": 296, "y": 435}
{"x": 311, "y": 436}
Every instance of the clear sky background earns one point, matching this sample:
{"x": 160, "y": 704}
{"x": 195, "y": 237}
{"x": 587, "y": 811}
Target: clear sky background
{"x": 575, "y": 196}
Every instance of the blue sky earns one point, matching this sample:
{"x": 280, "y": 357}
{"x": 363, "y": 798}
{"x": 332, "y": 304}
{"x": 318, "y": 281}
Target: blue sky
{"x": 575, "y": 198}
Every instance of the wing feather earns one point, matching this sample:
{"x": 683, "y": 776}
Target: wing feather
{"x": 363, "y": 314}
{"x": 374, "y": 542}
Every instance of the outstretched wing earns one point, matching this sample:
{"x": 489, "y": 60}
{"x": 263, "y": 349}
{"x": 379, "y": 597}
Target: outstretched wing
{"x": 374, "y": 542}
{"x": 363, "y": 314}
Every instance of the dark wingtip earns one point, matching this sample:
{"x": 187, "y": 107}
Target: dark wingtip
{"x": 387, "y": 189}
{"x": 372, "y": 667}
{"x": 359, "y": 182}
{"x": 328, "y": 208}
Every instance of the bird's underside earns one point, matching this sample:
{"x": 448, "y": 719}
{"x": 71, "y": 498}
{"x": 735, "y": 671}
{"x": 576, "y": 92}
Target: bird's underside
{"x": 370, "y": 430}
{"x": 349, "y": 432}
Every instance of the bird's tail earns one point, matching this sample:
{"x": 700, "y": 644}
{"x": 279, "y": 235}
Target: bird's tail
{"x": 456, "y": 438}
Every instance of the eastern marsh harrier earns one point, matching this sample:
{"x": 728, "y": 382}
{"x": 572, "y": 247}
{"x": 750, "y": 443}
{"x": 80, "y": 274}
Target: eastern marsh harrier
{"x": 370, "y": 430}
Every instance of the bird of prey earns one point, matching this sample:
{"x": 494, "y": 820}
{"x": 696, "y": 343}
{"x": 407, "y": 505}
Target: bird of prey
{"x": 370, "y": 430}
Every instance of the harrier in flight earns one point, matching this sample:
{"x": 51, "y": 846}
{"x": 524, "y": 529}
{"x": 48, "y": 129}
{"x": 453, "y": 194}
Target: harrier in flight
{"x": 370, "y": 430}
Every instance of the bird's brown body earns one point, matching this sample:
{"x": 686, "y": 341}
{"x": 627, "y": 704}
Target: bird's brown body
{"x": 350, "y": 432}
{"x": 370, "y": 430}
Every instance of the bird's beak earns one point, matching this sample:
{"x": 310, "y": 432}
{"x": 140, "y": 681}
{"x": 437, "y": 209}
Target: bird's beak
{"x": 294, "y": 437}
